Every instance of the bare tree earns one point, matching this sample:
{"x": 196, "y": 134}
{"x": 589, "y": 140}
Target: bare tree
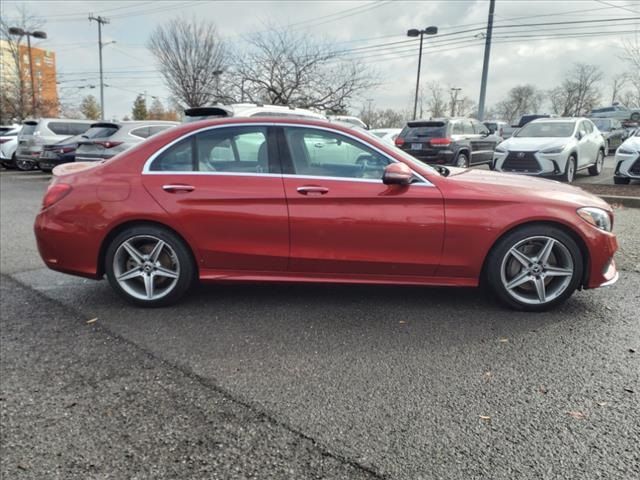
{"x": 288, "y": 68}
{"x": 520, "y": 99}
{"x": 383, "y": 118}
{"x": 191, "y": 57}
{"x": 15, "y": 95}
{"x": 631, "y": 56}
{"x": 437, "y": 104}
{"x": 579, "y": 91}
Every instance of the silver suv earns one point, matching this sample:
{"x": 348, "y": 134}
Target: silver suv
{"x": 106, "y": 139}
{"x": 35, "y": 134}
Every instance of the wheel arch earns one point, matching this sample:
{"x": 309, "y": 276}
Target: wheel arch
{"x": 117, "y": 229}
{"x": 561, "y": 226}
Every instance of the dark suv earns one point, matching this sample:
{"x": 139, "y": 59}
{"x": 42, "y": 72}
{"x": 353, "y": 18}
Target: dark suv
{"x": 460, "y": 142}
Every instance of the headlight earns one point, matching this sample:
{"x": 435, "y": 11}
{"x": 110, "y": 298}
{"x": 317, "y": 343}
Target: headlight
{"x": 624, "y": 151}
{"x": 500, "y": 150}
{"x": 553, "y": 150}
{"x": 597, "y": 217}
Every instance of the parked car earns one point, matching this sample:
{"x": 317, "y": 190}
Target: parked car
{"x": 552, "y": 147}
{"x": 448, "y": 141}
{"x": 355, "y": 121}
{"x": 529, "y": 117}
{"x": 8, "y": 128}
{"x": 8, "y": 145}
{"x": 508, "y": 131}
{"x": 107, "y": 139}
{"x": 248, "y": 110}
{"x": 612, "y": 132}
{"x": 496, "y": 127}
{"x": 200, "y": 202}
{"x": 617, "y": 111}
{"x": 44, "y": 131}
{"x": 627, "y": 160}
{"x": 388, "y": 135}
{"x": 62, "y": 152}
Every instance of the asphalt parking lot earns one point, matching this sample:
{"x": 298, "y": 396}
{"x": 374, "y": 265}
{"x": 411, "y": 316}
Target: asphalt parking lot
{"x": 272, "y": 381}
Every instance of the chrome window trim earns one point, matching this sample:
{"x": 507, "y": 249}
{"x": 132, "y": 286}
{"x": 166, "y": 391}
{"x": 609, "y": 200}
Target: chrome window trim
{"x": 147, "y": 164}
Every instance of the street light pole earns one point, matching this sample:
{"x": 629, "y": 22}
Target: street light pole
{"x": 100, "y": 20}
{"x": 414, "y": 32}
{"x": 37, "y": 34}
{"x": 485, "y": 63}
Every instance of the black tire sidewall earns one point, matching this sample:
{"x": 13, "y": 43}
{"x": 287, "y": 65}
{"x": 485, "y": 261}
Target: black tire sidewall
{"x": 455, "y": 163}
{"x": 187, "y": 265}
{"x": 500, "y": 249}
{"x": 564, "y": 177}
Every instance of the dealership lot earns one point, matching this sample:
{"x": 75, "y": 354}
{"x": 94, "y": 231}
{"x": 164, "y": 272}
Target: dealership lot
{"x": 326, "y": 380}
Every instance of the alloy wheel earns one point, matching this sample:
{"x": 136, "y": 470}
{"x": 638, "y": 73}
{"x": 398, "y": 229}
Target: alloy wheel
{"x": 537, "y": 270}
{"x": 146, "y": 267}
{"x": 571, "y": 170}
{"x": 462, "y": 161}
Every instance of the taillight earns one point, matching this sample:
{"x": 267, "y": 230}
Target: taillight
{"x": 3, "y": 140}
{"x": 440, "y": 142}
{"x": 55, "y": 193}
{"x": 66, "y": 150}
{"x": 108, "y": 144}
{"x": 399, "y": 141}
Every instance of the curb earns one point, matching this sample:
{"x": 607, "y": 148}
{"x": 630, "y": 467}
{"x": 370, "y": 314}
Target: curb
{"x": 629, "y": 202}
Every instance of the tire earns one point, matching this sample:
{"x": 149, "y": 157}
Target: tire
{"x": 47, "y": 170}
{"x": 596, "y": 169}
{"x": 621, "y": 180}
{"x": 24, "y": 165}
{"x": 149, "y": 283}
{"x": 541, "y": 288}
{"x": 462, "y": 161}
{"x": 569, "y": 170}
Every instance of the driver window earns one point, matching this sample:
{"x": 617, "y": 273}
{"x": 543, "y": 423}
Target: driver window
{"x": 327, "y": 154}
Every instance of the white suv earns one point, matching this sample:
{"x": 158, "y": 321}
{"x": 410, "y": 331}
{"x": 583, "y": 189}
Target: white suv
{"x": 628, "y": 160}
{"x": 552, "y": 147}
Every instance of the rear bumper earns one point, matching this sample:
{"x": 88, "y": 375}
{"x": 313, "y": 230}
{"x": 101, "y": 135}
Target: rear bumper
{"x": 50, "y": 163}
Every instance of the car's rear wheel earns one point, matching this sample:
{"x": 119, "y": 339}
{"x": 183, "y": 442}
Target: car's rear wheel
{"x": 569, "y": 170}
{"x": 462, "y": 161}
{"x": 149, "y": 266}
{"x": 535, "y": 268}
{"x": 596, "y": 168}
{"x": 24, "y": 165}
{"x": 621, "y": 180}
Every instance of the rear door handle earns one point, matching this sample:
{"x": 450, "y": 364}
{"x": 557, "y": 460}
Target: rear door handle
{"x": 178, "y": 188}
{"x": 312, "y": 190}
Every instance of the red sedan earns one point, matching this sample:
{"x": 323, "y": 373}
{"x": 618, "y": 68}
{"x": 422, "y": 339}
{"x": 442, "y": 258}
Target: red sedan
{"x": 275, "y": 199}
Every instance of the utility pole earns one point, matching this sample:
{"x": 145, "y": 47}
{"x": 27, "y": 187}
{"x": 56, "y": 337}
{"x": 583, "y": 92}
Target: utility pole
{"x": 101, "y": 21}
{"x": 485, "y": 64}
{"x": 454, "y": 100}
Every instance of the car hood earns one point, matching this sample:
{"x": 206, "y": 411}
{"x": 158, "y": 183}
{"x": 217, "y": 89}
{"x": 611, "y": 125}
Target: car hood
{"x": 486, "y": 184}
{"x": 529, "y": 144}
{"x": 633, "y": 143}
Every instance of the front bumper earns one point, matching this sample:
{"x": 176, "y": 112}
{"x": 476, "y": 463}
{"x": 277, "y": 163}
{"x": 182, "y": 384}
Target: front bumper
{"x": 602, "y": 266}
{"x": 548, "y": 165}
{"x": 627, "y": 165}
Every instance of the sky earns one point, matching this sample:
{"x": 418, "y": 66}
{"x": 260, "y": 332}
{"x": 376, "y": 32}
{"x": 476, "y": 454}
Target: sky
{"x": 521, "y": 52}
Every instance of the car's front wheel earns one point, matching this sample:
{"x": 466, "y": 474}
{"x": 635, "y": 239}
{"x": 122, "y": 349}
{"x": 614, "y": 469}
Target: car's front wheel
{"x": 569, "y": 170}
{"x": 149, "y": 266}
{"x": 462, "y": 161}
{"x": 535, "y": 268}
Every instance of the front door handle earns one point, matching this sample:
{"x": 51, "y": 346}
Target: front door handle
{"x": 178, "y": 188}
{"x": 312, "y": 190}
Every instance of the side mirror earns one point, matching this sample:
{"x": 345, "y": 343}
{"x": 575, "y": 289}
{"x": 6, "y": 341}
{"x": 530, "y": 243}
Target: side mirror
{"x": 397, "y": 174}
{"x": 579, "y": 135}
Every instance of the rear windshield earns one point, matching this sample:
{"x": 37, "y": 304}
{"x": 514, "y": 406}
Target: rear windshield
{"x": 603, "y": 125}
{"x": 424, "y": 129}
{"x": 491, "y": 126}
{"x": 547, "y": 129}
{"x": 28, "y": 128}
{"x": 100, "y": 131}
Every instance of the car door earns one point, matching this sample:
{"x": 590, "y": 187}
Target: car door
{"x": 485, "y": 142}
{"x": 224, "y": 188}
{"x": 344, "y": 220}
{"x": 475, "y": 141}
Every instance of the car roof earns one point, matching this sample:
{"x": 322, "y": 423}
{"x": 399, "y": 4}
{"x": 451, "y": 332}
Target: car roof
{"x": 557, "y": 119}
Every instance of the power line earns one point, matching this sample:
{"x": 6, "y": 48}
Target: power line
{"x": 618, "y": 6}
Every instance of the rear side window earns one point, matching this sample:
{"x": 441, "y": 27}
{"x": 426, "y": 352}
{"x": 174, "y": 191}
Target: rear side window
{"x": 67, "y": 128}
{"x": 481, "y": 129}
{"x": 100, "y": 132}
{"x": 425, "y": 130}
{"x": 224, "y": 150}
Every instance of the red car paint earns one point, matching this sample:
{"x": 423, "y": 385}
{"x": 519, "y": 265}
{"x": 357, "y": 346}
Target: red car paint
{"x": 261, "y": 228}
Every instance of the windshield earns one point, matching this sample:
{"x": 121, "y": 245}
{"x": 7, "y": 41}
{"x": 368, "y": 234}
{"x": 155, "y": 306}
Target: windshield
{"x": 603, "y": 125}
{"x": 28, "y": 128}
{"x": 546, "y": 129}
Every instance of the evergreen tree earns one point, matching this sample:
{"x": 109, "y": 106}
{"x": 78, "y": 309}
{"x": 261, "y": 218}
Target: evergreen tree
{"x": 139, "y": 111}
